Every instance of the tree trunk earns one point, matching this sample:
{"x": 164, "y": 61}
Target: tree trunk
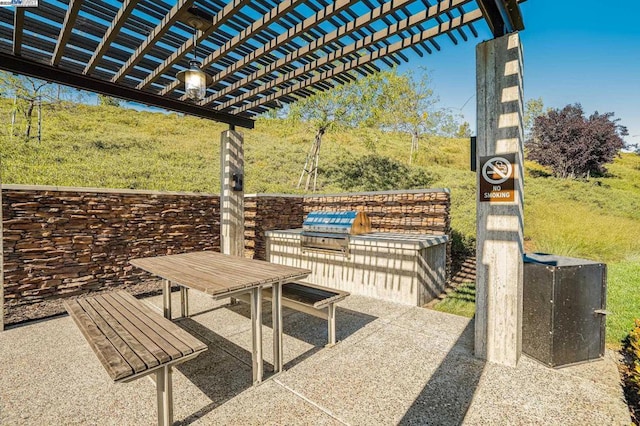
{"x": 315, "y": 160}
{"x": 414, "y": 146}
{"x": 28, "y": 115}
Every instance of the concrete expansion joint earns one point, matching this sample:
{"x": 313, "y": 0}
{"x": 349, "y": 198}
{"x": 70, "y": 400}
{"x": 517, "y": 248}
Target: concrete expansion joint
{"x": 310, "y": 402}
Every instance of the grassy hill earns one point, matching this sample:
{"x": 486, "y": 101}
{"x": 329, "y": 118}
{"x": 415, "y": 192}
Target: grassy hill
{"x": 112, "y": 147}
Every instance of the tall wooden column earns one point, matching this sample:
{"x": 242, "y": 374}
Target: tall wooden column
{"x": 1, "y": 263}
{"x": 231, "y": 200}
{"x": 500, "y": 223}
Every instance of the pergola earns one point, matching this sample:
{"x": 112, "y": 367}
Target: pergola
{"x": 262, "y": 54}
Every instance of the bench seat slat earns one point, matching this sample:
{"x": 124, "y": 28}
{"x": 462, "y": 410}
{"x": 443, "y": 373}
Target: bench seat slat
{"x": 312, "y": 294}
{"x": 110, "y": 358}
{"x": 183, "y": 336}
{"x": 128, "y": 337}
{"x": 152, "y": 341}
{"x": 131, "y": 325}
{"x": 175, "y": 347}
{"x": 133, "y": 352}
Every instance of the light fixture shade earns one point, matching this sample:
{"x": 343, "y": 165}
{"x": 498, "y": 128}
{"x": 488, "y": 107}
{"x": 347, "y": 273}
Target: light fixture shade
{"x": 195, "y": 81}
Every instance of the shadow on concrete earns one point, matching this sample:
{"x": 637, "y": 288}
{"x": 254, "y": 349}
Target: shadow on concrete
{"x": 221, "y": 372}
{"x": 447, "y": 396}
{"x": 308, "y": 328}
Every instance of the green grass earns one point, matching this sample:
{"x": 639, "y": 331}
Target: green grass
{"x": 112, "y": 147}
{"x": 460, "y": 302}
{"x": 623, "y": 300}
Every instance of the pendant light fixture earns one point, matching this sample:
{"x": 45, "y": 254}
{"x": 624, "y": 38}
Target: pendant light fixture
{"x": 195, "y": 80}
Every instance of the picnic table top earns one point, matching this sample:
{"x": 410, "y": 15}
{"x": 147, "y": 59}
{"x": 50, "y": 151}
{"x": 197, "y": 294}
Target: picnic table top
{"x": 217, "y": 274}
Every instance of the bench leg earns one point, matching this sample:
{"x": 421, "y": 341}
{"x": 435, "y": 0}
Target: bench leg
{"x": 331, "y": 323}
{"x": 184, "y": 301}
{"x": 164, "y": 392}
{"x": 256, "y": 333}
{"x": 276, "y": 312}
{"x": 166, "y": 298}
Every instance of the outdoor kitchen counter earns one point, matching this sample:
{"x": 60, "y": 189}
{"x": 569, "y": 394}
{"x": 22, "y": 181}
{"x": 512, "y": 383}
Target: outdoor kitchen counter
{"x": 402, "y": 268}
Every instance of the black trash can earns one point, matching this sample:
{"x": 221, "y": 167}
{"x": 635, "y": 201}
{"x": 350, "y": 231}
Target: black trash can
{"x": 564, "y": 302}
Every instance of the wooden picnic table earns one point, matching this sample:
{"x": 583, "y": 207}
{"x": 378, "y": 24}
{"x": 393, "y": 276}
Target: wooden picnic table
{"x": 220, "y": 276}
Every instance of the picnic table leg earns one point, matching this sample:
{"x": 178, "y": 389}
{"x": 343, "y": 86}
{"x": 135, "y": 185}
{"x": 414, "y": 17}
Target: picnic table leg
{"x": 256, "y": 333}
{"x": 331, "y": 323}
{"x": 164, "y": 392}
{"x": 276, "y": 312}
{"x": 166, "y": 298}
{"x": 184, "y": 301}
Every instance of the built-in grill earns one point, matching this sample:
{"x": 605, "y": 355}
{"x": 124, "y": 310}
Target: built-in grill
{"x": 330, "y": 230}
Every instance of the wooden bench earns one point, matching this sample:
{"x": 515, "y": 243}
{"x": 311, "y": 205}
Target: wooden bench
{"x": 131, "y": 340}
{"x": 311, "y": 299}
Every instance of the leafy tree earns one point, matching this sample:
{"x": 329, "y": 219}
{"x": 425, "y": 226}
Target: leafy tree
{"x": 407, "y": 103}
{"x": 342, "y": 106}
{"x": 464, "y": 130}
{"x": 573, "y": 145}
{"x": 30, "y": 94}
{"x": 108, "y": 101}
{"x": 532, "y": 108}
{"x": 377, "y": 173}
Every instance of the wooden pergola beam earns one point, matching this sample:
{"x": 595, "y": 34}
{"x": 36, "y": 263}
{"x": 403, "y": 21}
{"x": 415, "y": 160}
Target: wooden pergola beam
{"x": 502, "y": 16}
{"x": 338, "y": 54}
{"x": 153, "y": 37}
{"x": 18, "y": 25}
{"x": 439, "y": 29}
{"x": 259, "y": 53}
{"x": 219, "y": 20}
{"x": 109, "y": 36}
{"x": 65, "y": 31}
{"x": 46, "y": 72}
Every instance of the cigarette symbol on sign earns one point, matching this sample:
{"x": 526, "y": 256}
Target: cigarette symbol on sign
{"x": 497, "y": 170}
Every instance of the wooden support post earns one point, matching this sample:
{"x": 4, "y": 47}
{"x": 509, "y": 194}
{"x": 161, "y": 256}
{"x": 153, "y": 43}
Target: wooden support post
{"x": 500, "y": 223}
{"x": 166, "y": 298}
{"x": 231, "y": 193}
{"x": 276, "y": 314}
{"x": 1, "y": 261}
{"x": 164, "y": 396}
{"x": 256, "y": 333}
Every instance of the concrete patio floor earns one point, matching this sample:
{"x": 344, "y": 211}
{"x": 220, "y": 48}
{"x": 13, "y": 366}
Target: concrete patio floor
{"x": 394, "y": 365}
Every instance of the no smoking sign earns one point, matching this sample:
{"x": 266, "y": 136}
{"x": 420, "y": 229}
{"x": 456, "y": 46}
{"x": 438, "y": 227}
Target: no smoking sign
{"x": 497, "y": 178}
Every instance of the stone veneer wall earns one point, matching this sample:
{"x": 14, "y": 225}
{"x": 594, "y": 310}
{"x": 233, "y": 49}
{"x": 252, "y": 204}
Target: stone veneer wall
{"x": 67, "y": 241}
{"x": 266, "y": 212}
{"x": 60, "y": 242}
{"x": 410, "y": 211}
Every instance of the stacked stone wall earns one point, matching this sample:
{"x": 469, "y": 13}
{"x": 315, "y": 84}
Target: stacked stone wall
{"x": 66, "y": 242}
{"x": 266, "y": 212}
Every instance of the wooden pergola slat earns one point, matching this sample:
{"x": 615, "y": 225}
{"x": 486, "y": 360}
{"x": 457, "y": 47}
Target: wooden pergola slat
{"x": 18, "y": 25}
{"x": 472, "y": 16}
{"x": 219, "y": 20}
{"x": 65, "y": 33}
{"x": 260, "y": 54}
{"x": 273, "y": 15}
{"x": 124, "y": 12}
{"x": 355, "y": 47}
{"x": 155, "y": 35}
{"x": 345, "y": 30}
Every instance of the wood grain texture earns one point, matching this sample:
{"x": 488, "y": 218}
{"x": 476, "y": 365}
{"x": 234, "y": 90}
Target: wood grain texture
{"x": 127, "y": 336}
{"x": 215, "y": 273}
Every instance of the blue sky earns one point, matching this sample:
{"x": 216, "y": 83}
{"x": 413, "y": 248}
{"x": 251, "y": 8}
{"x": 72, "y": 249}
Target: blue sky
{"x": 585, "y": 52}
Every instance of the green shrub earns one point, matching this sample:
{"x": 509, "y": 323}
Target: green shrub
{"x": 377, "y": 173}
